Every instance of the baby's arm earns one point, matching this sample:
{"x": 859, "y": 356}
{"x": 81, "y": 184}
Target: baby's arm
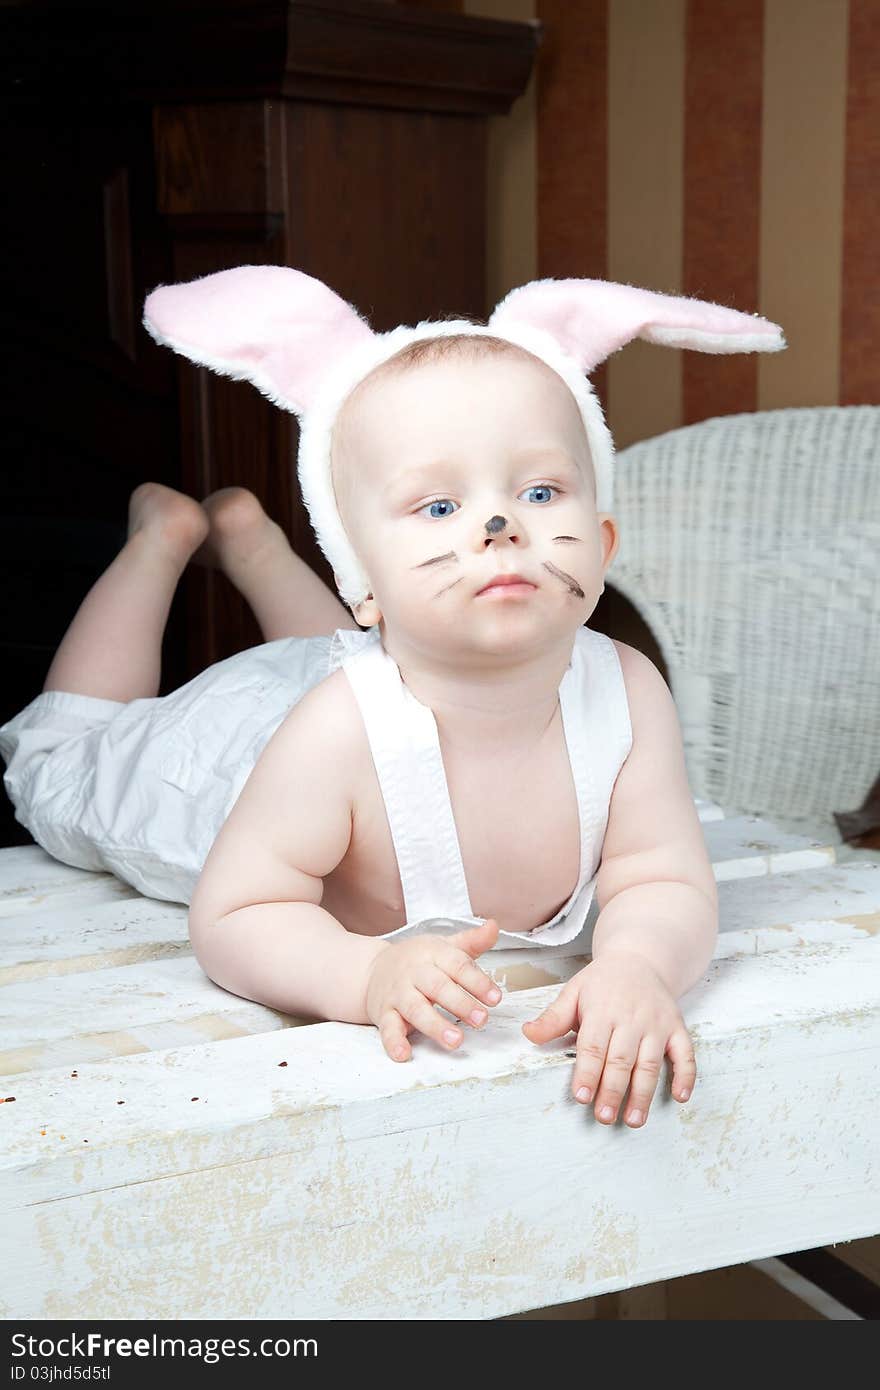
{"x": 655, "y": 888}
{"x": 657, "y": 923}
{"x": 256, "y": 921}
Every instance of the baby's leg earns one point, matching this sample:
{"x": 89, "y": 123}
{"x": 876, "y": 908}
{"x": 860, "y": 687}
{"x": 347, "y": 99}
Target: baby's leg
{"x": 287, "y": 597}
{"x": 113, "y": 647}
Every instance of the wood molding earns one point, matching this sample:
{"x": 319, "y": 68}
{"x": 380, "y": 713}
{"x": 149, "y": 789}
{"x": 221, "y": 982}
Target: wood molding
{"x": 351, "y": 51}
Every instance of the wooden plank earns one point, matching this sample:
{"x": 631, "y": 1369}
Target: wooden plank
{"x": 73, "y": 936}
{"x": 66, "y": 921}
{"x": 345, "y": 1186}
{"x": 838, "y": 902}
{"x": 25, "y": 868}
{"x": 31, "y": 879}
{"x": 749, "y": 847}
{"x": 162, "y": 1002}
{"x": 758, "y": 1291}
{"x": 60, "y": 920}
{"x": 71, "y": 1019}
{"x": 823, "y": 1304}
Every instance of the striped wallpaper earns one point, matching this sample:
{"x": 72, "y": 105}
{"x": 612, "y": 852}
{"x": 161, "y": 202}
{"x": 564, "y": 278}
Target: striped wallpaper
{"x": 727, "y": 149}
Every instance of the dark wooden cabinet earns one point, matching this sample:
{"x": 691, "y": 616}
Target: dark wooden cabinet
{"x": 146, "y": 143}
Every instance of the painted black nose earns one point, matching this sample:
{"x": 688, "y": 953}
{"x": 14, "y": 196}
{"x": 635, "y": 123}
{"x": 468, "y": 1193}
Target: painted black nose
{"x": 496, "y": 524}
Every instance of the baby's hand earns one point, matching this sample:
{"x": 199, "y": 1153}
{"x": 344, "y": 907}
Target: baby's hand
{"x": 627, "y": 1021}
{"x": 410, "y": 977}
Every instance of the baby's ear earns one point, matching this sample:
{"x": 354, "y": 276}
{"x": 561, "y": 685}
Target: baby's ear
{"x": 610, "y": 537}
{"x": 366, "y": 606}
{"x": 367, "y": 612}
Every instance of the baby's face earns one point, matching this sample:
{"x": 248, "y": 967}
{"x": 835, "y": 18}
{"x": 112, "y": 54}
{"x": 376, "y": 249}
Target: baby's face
{"x": 425, "y": 457}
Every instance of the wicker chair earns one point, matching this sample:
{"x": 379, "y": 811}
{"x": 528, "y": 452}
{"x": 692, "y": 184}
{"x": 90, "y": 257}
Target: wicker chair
{"x": 750, "y": 545}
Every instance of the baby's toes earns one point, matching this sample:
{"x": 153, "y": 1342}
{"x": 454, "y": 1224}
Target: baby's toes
{"x": 170, "y": 519}
{"x": 239, "y": 530}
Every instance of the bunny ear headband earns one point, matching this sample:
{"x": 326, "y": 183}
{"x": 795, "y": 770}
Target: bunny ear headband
{"x": 306, "y": 349}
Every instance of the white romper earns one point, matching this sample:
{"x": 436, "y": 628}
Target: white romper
{"x": 141, "y": 789}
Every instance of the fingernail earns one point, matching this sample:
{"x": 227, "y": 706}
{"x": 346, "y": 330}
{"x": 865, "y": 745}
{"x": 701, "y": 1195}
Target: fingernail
{"x": 583, "y": 1093}
{"x": 494, "y": 996}
{"x": 606, "y": 1112}
{"x": 635, "y": 1118}
{"x": 684, "y": 1094}
{"x": 450, "y": 1037}
{"x": 477, "y": 1016}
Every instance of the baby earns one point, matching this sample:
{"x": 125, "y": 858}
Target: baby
{"x": 353, "y": 817}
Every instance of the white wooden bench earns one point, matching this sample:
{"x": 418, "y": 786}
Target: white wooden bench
{"x": 173, "y": 1151}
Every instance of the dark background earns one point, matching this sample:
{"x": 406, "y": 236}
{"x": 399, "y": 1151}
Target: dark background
{"x": 148, "y": 143}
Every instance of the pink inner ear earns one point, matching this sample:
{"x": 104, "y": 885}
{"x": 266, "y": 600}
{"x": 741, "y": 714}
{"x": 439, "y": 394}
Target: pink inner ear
{"x": 276, "y": 326}
{"x": 593, "y": 318}
{"x": 300, "y": 366}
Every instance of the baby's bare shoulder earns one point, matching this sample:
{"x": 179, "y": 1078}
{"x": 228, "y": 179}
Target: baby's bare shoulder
{"x": 292, "y": 823}
{"x": 332, "y": 711}
{"x": 647, "y": 693}
{"x": 325, "y": 727}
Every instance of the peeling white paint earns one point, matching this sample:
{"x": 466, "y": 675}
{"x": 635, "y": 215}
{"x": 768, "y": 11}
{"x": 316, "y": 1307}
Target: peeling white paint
{"x": 464, "y": 1185}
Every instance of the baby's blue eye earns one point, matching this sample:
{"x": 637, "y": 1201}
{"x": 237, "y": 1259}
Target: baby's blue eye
{"x": 447, "y": 501}
{"x": 540, "y": 487}
{"x": 440, "y": 502}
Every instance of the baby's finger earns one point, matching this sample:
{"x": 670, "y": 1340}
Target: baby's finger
{"x": 684, "y": 1063}
{"x": 392, "y": 1031}
{"x": 557, "y": 1019}
{"x": 592, "y": 1049}
{"x": 476, "y": 940}
{"x": 419, "y": 1011}
{"x": 623, "y": 1047}
{"x": 435, "y": 984}
{"x": 459, "y": 967}
{"x": 643, "y": 1086}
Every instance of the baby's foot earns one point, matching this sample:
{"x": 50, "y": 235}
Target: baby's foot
{"x": 241, "y": 537}
{"x": 171, "y": 520}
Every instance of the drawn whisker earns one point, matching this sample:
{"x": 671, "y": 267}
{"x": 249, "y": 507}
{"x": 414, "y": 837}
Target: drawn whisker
{"x": 568, "y": 579}
{"x": 450, "y": 555}
{"x": 448, "y": 587}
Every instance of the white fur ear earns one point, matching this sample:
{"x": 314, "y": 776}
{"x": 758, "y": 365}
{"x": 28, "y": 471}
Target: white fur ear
{"x": 269, "y": 324}
{"x": 752, "y": 341}
{"x": 591, "y": 319}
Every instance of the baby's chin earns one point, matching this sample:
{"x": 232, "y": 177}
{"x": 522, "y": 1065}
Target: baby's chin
{"x": 499, "y": 636}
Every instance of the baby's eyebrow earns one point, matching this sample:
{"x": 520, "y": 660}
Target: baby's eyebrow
{"x": 406, "y": 482}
